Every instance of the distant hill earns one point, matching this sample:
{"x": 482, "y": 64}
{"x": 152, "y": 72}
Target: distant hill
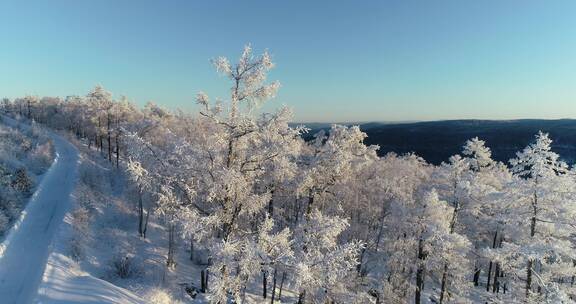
{"x": 436, "y": 141}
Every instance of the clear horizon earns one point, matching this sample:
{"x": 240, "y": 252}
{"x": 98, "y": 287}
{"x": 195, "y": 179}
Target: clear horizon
{"x": 337, "y": 61}
{"x": 418, "y": 121}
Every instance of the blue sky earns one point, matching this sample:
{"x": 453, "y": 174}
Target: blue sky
{"x": 337, "y": 60}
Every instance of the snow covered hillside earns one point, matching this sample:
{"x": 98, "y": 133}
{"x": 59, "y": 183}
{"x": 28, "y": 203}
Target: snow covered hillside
{"x": 229, "y": 205}
{"x": 25, "y": 154}
{"x": 25, "y": 249}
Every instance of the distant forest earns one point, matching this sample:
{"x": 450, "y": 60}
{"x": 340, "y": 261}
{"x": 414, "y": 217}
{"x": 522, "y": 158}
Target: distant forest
{"x": 436, "y": 141}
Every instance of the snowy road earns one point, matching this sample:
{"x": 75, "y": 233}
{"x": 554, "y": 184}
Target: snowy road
{"x": 25, "y": 250}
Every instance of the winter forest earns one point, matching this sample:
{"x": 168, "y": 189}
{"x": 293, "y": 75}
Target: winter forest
{"x": 246, "y": 211}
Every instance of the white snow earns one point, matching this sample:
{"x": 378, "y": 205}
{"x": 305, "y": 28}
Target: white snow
{"x": 64, "y": 283}
{"x": 68, "y": 281}
{"x": 25, "y": 253}
{"x": 26, "y": 246}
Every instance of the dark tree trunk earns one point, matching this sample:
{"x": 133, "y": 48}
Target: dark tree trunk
{"x": 146, "y": 221}
{"x": 281, "y": 286}
{"x": 490, "y": 264}
{"x": 380, "y": 227}
{"x": 203, "y": 281}
{"x": 191, "y": 249}
{"x": 489, "y": 276}
{"x": 310, "y": 203}
{"x": 532, "y": 233}
{"x": 528, "y": 278}
{"x": 109, "y": 148}
{"x": 109, "y": 133}
{"x": 264, "y": 284}
{"x": 170, "y": 262}
{"x": 297, "y": 209}
{"x": 496, "y": 287}
{"x": 117, "y": 152}
{"x": 573, "y": 277}
{"x": 477, "y": 271}
{"x": 273, "y": 286}
{"x": 271, "y": 204}
{"x": 420, "y": 272}
{"x": 359, "y": 266}
{"x": 444, "y": 282}
{"x": 302, "y": 297}
{"x": 140, "y": 214}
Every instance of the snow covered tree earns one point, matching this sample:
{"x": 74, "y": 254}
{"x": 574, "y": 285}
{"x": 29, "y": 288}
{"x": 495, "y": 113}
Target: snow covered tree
{"x": 101, "y": 104}
{"x": 340, "y": 223}
{"x": 420, "y": 242}
{"x": 330, "y": 159}
{"x": 234, "y": 160}
{"x": 323, "y": 264}
{"x": 454, "y": 178}
{"x": 143, "y": 181}
{"x": 237, "y": 262}
{"x": 540, "y": 211}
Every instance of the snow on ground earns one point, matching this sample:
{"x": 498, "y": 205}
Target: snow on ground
{"x": 25, "y": 155}
{"x": 64, "y": 283}
{"x": 25, "y": 253}
{"x": 80, "y": 268}
{"x": 26, "y": 246}
{"x": 50, "y": 259}
{"x": 112, "y": 234}
{"x": 65, "y": 280}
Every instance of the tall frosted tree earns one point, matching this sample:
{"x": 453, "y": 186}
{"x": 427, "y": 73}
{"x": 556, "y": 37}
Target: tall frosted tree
{"x": 540, "y": 228}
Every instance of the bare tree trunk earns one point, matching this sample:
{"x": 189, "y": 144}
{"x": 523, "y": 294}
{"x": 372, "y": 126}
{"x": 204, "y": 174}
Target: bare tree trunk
{"x": 146, "y": 221}
{"x": 573, "y": 277}
{"x": 381, "y": 227}
{"x": 140, "y": 214}
{"x": 359, "y": 266}
{"x": 532, "y": 233}
{"x": 264, "y": 284}
{"x": 297, "y": 208}
{"x": 302, "y": 297}
{"x": 271, "y": 204}
{"x": 170, "y": 262}
{"x": 477, "y": 271}
{"x": 488, "y": 278}
{"x": 453, "y": 221}
{"x": 109, "y": 147}
{"x": 273, "y": 286}
{"x": 202, "y": 286}
{"x": 529, "y": 278}
{"x": 496, "y": 285}
{"x": 281, "y": 286}
{"x": 117, "y": 152}
{"x": 310, "y": 203}
{"x": 191, "y": 248}
{"x": 420, "y": 272}
{"x": 206, "y": 278}
{"x": 444, "y": 281}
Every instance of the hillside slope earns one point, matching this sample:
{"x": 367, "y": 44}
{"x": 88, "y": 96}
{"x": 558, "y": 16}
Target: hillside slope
{"x": 25, "y": 250}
